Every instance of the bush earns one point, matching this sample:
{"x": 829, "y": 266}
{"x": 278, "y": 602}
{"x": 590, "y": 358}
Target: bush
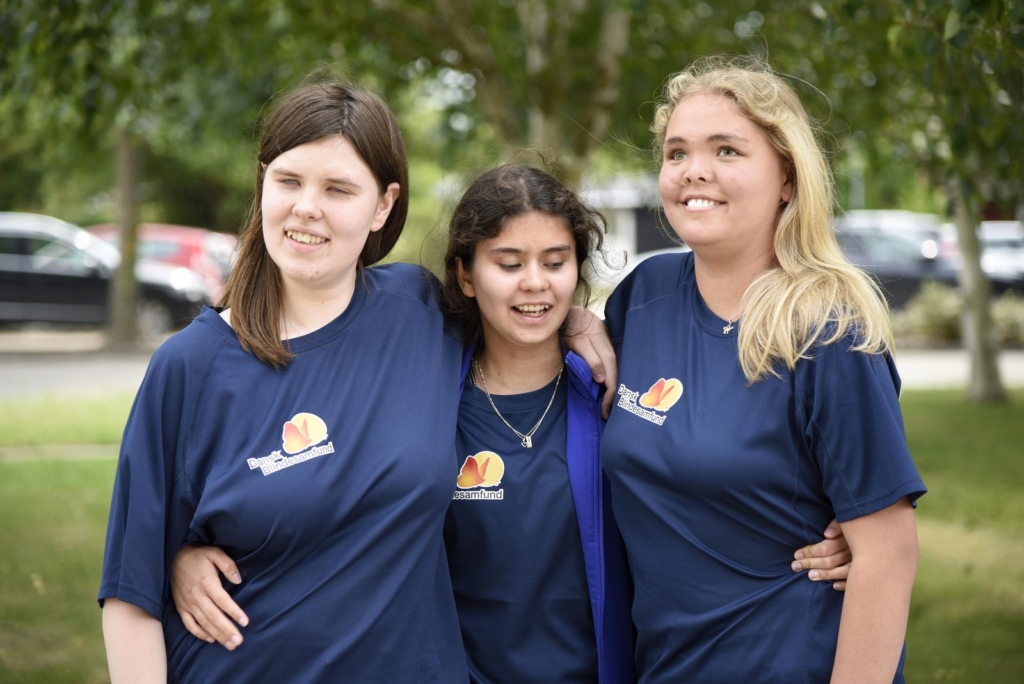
{"x": 933, "y": 317}
{"x": 1008, "y": 316}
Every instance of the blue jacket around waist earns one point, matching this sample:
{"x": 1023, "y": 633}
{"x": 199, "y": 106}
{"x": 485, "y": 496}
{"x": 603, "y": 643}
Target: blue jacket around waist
{"x": 604, "y": 554}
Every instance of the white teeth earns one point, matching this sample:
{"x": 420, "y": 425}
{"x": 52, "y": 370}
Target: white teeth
{"x": 305, "y": 238}
{"x": 532, "y": 309}
{"x": 701, "y": 204}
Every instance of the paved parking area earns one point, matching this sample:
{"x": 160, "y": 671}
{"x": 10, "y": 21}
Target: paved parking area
{"x": 41, "y": 361}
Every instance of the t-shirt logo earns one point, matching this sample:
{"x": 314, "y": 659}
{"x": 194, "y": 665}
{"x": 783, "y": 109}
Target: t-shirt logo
{"x": 662, "y": 395}
{"x": 304, "y": 430}
{"x": 299, "y": 436}
{"x": 657, "y": 400}
{"x": 484, "y": 469}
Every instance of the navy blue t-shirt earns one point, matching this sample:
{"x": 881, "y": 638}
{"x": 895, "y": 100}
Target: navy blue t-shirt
{"x": 514, "y": 545}
{"x": 327, "y": 481}
{"x": 715, "y": 482}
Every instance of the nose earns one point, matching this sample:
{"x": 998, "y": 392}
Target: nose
{"x": 696, "y": 169}
{"x": 534, "y": 278}
{"x": 307, "y": 206}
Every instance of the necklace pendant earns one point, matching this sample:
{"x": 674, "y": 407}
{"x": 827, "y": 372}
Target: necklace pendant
{"x": 527, "y": 442}
{"x": 727, "y": 329}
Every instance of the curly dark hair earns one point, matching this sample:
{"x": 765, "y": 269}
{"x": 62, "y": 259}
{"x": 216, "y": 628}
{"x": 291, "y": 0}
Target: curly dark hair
{"x": 495, "y": 197}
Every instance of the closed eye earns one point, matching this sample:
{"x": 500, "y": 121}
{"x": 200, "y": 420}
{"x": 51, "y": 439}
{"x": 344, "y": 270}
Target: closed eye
{"x": 555, "y": 265}
{"x": 509, "y": 267}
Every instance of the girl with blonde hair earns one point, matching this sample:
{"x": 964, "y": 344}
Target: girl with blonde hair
{"x": 757, "y": 400}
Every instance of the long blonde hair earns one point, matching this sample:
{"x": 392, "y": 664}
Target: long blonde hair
{"x": 812, "y": 295}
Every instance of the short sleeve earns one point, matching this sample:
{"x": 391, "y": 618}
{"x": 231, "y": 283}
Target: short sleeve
{"x": 854, "y": 429}
{"x": 149, "y": 513}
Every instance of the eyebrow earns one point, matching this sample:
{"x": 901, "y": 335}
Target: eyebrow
{"x": 516, "y": 250}
{"x": 717, "y": 137}
{"x": 333, "y": 181}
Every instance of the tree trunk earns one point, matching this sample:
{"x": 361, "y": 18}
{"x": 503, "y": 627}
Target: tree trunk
{"x": 984, "y": 384}
{"x": 122, "y": 328}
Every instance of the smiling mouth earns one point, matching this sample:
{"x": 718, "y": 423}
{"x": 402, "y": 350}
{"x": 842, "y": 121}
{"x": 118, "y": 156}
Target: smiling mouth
{"x": 305, "y": 238}
{"x": 702, "y": 203}
{"x": 532, "y": 309}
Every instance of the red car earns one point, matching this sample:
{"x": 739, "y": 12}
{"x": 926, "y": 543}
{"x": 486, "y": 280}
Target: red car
{"x": 204, "y": 252}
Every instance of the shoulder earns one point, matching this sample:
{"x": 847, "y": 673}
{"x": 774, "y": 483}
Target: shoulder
{"x": 654, "y": 279}
{"x": 841, "y": 367}
{"x": 198, "y": 340}
{"x": 405, "y": 281}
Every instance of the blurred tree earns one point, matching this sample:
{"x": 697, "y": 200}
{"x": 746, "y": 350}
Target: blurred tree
{"x": 952, "y": 91}
{"x": 544, "y": 73}
{"x": 137, "y": 74}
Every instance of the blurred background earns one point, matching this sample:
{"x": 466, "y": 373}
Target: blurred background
{"x": 127, "y": 139}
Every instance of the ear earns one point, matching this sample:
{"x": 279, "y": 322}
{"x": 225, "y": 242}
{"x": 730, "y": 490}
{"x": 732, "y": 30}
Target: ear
{"x": 465, "y": 280}
{"x": 787, "y": 187}
{"x": 384, "y": 205}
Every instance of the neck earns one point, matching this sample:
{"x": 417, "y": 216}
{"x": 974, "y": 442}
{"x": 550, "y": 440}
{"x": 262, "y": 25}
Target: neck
{"x": 308, "y": 310}
{"x": 515, "y": 370}
{"x": 722, "y": 283}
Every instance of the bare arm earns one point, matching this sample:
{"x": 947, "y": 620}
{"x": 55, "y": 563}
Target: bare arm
{"x": 135, "y": 644}
{"x": 587, "y": 336}
{"x": 874, "y": 622}
{"x": 200, "y": 599}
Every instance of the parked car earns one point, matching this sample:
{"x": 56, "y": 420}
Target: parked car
{"x": 52, "y": 271}
{"x": 1002, "y": 253}
{"x": 899, "y": 249}
{"x": 206, "y": 252}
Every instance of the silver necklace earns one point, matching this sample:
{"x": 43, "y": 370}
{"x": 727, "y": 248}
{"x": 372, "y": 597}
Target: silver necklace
{"x": 526, "y": 440}
{"x": 728, "y": 328}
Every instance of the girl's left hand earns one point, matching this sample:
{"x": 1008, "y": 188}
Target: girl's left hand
{"x": 827, "y": 560}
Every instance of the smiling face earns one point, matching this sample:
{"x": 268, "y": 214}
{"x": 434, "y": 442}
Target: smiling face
{"x": 721, "y": 180}
{"x": 523, "y": 280}
{"x": 320, "y": 202}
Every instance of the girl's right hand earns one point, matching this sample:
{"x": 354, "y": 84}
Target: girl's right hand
{"x": 200, "y": 598}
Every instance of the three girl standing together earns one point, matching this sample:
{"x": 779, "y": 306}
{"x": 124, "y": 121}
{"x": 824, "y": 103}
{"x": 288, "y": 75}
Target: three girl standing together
{"x": 714, "y": 479}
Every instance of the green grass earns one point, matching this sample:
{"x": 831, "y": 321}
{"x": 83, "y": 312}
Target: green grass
{"x": 967, "y": 616}
{"x": 54, "y": 518}
{"x": 64, "y": 420}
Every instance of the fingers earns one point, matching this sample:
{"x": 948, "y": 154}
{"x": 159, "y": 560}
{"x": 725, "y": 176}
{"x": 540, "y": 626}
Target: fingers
{"x": 836, "y": 574}
{"x": 839, "y": 586}
{"x": 828, "y": 560}
{"x": 823, "y": 549}
{"x": 588, "y": 337}
{"x": 836, "y": 560}
{"x": 194, "y": 629}
{"x": 606, "y": 404}
{"x": 217, "y": 624}
{"x": 833, "y": 530}
{"x": 224, "y": 563}
{"x": 226, "y": 605}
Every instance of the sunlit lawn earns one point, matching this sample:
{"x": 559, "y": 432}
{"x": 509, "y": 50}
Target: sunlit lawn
{"x": 967, "y": 618}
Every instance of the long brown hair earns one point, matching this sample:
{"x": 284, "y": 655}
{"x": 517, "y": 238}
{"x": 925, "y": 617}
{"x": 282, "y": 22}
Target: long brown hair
{"x": 304, "y": 115}
{"x": 492, "y": 199}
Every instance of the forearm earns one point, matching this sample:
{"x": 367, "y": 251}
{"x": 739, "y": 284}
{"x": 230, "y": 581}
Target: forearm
{"x": 135, "y": 644}
{"x": 874, "y": 619}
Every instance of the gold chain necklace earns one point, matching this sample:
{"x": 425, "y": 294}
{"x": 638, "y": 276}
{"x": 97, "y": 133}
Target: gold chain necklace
{"x": 526, "y": 440}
